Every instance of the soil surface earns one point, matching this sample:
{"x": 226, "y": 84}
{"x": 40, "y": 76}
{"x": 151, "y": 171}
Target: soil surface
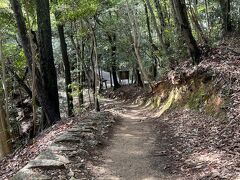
{"x": 131, "y": 153}
{"x": 182, "y": 144}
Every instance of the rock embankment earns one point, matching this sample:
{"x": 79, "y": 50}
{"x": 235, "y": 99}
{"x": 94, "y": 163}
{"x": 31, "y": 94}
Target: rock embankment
{"x": 66, "y": 157}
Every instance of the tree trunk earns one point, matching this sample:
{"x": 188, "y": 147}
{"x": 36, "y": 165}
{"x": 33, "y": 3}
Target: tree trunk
{"x": 5, "y": 137}
{"x": 159, "y": 33}
{"x": 78, "y": 54}
{"x": 4, "y": 84}
{"x": 110, "y": 75}
{"x": 136, "y": 41}
{"x": 46, "y": 103}
{"x": 94, "y": 74}
{"x": 81, "y": 76}
{"x": 47, "y": 66}
{"x": 138, "y": 78}
{"x": 95, "y": 64}
{"x": 160, "y": 14}
{"x": 5, "y": 140}
{"x": 112, "y": 41}
{"x": 21, "y": 82}
{"x": 153, "y": 46}
{"x": 34, "y": 93}
{"x": 226, "y": 17}
{"x": 67, "y": 70}
{"x": 180, "y": 12}
{"x": 207, "y": 16}
{"x": 197, "y": 26}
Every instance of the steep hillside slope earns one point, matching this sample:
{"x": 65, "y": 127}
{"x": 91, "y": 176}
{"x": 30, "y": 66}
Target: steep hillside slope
{"x": 197, "y": 116}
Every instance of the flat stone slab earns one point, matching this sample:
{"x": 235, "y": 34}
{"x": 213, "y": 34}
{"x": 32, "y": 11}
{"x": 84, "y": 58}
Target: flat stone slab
{"x": 83, "y": 129}
{"x": 28, "y": 174}
{"x": 56, "y": 147}
{"x": 72, "y": 142}
{"x": 80, "y": 152}
{"x": 68, "y": 137}
{"x": 49, "y": 155}
{"x": 45, "y": 164}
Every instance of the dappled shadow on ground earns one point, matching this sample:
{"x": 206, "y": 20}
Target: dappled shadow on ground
{"x": 192, "y": 147}
{"x": 181, "y": 144}
{"x": 129, "y": 153}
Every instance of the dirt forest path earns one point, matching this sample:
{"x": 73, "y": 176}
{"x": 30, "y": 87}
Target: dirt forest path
{"x": 131, "y": 152}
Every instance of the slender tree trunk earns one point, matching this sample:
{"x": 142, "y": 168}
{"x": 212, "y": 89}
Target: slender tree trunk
{"x": 4, "y": 83}
{"x": 110, "y": 75}
{"x": 81, "y": 76}
{"x": 67, "y": 70}
{"x": 207, "y": 16}
{"x": 197, "y": 25}
{"x": 21, "y": 82}
{"x": 5, "y": 140}
{"x": 162, "y": 19}
{"x": 136, "y": 41}
{"x": 34, "y": 93}
{"x": 66, "y": 63}
{"x": 138, "y": 78}
{"x": 159, "y": 33}
{"x": 226, "y": 17}
{"x": 112, "y": 41}
{"x": 78, "y": 53}
{"x": 180, "y": 12}
{"x": 5, "y": 136}
{"x": 95, "y": 64}
{"x": 116, "y": 84}
{"x": 153, "y": 46}
{"x": 160, "y": 14}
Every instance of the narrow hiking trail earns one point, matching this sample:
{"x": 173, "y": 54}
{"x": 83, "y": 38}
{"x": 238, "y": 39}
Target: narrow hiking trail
{"x": 129, "y": 142}
{"x": 131, "y": 153}
{"x": 181, "y": 144}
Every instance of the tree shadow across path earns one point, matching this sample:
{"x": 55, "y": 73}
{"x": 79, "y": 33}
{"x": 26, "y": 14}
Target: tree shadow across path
{"x": 132, "y": 152}
{"x": 179, "y": 145}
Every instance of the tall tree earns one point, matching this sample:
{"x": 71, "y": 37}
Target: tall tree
{"x": 112, "y": 40}
{"x": 47, "y": 66}
{"x": 5, "y": 140}
{"x": 180, "y": 12}
{"x": 135, "y": 36}
{"x": 45, "y": 101}
{"x": 67, "y": 69}
{"x": 226, "y": 17}
{"x": 95, "y": 67}
{"x": 158, "y": 30}
{"x": 195, "y": 20}
{"x": 153, "y": 46}
{"x": 66, "y": 63}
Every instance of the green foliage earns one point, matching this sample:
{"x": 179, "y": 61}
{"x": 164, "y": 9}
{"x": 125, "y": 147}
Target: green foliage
{"x": 75, "y": 89}
{"x": 6, "y": 20}
{"x": 72, "y": 10}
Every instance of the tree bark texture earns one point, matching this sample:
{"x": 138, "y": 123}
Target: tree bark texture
{"x": 67, "y": 70}
{"x": 181, "y": 16}
{"x": 46, "y": 102}
{"x": 48, "y": 71}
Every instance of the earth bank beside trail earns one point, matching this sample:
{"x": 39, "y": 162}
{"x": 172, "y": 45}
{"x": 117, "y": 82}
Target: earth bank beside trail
{"x": 193, "y": 117}
{"x": 180, "y": 143}
{"x": 187, "y": 127}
